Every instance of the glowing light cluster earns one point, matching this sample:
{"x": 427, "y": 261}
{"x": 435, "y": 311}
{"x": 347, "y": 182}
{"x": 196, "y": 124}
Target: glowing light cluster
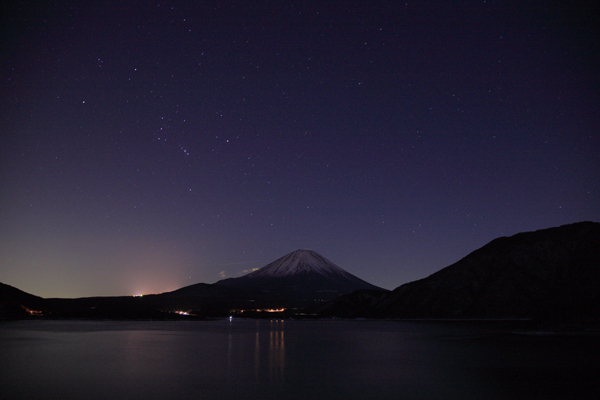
{"x": 32, "y": 312}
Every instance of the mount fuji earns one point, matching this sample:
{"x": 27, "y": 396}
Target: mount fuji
{"x": 303, "y": 261}
{"x": 301, "y": 280}
{"x": 297, "y": 279}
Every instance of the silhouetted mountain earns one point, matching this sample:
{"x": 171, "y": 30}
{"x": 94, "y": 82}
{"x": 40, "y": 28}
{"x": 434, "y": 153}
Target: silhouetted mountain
{"x": 200, "y": 299}
{"x": 298, "y": 279}
{"x": 118, "y": 307}
{"x": 552, "y": 274}
{"x": 200, "y": 290}
{"x": 17, "y": 304}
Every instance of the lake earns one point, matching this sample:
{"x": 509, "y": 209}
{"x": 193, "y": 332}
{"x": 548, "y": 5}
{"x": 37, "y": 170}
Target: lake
{"x": 288, "y": 359}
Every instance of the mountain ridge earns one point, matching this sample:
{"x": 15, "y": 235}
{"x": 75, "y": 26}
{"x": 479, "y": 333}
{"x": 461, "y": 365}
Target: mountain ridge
{"x": 299, "y": 261}
{"x": 548, "y": 274}
{"x": 298, "y": 279}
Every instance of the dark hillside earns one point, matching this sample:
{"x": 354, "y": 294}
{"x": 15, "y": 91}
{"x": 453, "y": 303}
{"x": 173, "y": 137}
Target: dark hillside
{"x": 552, "y": 274}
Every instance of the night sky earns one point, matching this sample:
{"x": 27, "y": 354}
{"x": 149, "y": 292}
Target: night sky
{"x": 144, "y": 148}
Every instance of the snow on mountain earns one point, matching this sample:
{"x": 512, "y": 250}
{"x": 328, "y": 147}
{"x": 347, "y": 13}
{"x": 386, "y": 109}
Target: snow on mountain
{"x": 297, "y": 262}
{"x": 300, "y": 279}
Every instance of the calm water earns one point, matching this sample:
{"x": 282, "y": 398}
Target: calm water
{"x": 261, "y": 359}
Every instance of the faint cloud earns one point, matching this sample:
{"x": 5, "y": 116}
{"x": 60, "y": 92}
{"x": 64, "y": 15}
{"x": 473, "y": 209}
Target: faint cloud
{"x": 238, "y": 263}
{"x": 222, "y": 274}
{"x": 249, "y": 270}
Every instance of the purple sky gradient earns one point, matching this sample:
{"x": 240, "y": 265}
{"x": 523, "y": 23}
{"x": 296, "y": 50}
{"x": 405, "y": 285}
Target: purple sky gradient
{"x": 148, "y": 148}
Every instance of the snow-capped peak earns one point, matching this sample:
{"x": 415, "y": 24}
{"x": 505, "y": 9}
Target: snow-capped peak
{"x": 296, "y": 262}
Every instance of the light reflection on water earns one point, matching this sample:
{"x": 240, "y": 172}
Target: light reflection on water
{"x": 276, "y": 351}
{"x": 249, "y": 359}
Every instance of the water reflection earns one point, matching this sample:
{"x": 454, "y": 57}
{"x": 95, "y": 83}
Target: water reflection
{"x": 249, "y": 359}
{"x": 277, "y": 350}
{"x": 272, "y": 358}
{"x": 132, "y": 351}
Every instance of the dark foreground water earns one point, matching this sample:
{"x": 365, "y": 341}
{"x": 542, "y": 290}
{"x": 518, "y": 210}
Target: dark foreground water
{"x": 261, "y": 359}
